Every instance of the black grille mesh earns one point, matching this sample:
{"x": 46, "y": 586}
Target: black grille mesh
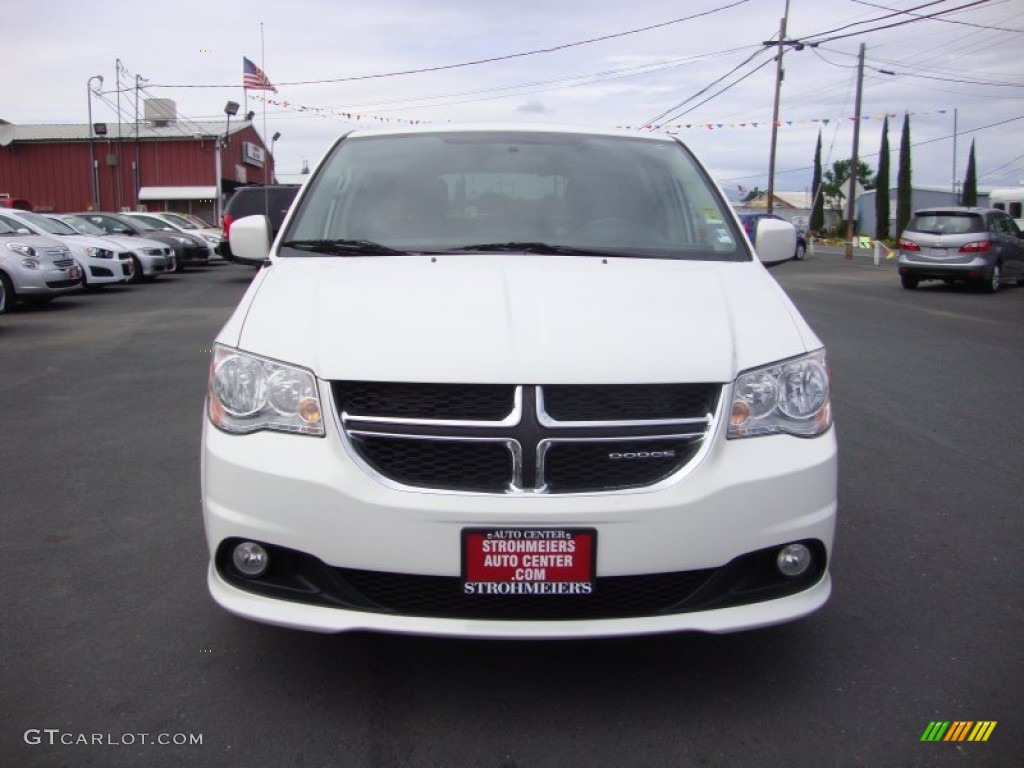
{"x": 623, "y": 402}
{"x": 442, "y": 597}
{"x": 468, "y": 466}
{"x": 469, "y": 402}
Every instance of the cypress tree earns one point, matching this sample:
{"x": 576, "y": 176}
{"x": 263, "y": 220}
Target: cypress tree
{"x": 882, "y": 186}
{"x": 970, "y": 196}
{"x": 903, "y": 183}
{"x": 817, "y": 222}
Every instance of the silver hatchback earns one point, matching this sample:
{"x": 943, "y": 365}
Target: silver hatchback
{"x": 954, "y": 244}
{"x": 33, "y": 267}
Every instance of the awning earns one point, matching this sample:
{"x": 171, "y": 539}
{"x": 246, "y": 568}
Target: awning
{"x": 177, "y": 193}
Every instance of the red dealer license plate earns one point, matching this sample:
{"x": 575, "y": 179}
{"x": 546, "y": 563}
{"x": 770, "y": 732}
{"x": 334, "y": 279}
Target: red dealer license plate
{"x": 528, "y": 561}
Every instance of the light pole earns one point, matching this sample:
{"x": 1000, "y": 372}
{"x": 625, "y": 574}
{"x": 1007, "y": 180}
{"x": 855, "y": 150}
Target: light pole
{"x": 231, "y": 108}
{"x": 94, "y": 181}
{"x": 273, "y": 141}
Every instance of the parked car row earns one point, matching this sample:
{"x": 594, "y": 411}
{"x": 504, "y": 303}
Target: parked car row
{"x": 43, "y": 256}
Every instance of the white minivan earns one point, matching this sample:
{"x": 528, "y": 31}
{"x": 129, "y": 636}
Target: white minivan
{"x": 517, "y": 382}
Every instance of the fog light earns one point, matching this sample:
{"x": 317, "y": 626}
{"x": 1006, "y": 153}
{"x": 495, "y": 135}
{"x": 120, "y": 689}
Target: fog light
{"x": 251, "y": 559}
{"x": 793, "y": 560}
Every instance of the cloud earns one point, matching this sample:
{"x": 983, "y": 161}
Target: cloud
{"x": 533, "y": 107}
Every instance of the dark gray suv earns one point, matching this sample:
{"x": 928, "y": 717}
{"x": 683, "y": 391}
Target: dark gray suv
{"x": 982, "y": 246}
{"x": 272, "y": 200}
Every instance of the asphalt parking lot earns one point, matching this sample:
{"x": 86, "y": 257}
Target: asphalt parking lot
{"x": 109, "y": 631}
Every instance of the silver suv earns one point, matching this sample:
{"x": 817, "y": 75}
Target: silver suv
{"x": 34, "y": 267}
{"x": 974, "y": 245}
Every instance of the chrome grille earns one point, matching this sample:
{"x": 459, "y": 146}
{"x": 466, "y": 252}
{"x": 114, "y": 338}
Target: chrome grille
{"x": 63, "y": 262}
{"x": 524, "y": 439}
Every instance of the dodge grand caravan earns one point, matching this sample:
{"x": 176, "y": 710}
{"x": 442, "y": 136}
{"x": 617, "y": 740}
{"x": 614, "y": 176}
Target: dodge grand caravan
{"x": 498, "y": 381}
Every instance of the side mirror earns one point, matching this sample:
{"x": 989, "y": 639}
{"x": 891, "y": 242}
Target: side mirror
{"x": 24, "y": 231}
{"x": 774, "y": 241}
{"x": 250, "y": 239}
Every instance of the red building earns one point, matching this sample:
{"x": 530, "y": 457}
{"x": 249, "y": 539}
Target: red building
{"x": 170, "y": 164}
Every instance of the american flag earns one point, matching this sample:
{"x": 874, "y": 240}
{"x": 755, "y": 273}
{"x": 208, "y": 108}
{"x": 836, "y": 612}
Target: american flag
{"x": 254, "y": 79}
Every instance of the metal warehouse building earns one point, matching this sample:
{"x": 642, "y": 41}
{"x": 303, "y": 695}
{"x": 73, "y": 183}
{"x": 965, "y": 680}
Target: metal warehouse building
{"x": 159, "y": 163}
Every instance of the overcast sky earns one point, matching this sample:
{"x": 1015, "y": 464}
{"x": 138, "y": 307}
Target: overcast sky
{"x": 183, "y": 48}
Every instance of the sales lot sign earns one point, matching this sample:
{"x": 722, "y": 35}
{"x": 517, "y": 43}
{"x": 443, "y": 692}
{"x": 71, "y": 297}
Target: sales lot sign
{"x": 528, "y": 561}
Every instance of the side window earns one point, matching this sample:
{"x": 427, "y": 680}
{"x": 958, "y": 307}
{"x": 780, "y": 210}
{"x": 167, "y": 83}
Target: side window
{"x": 1015, "y": 210}
{"x": 14, "y": 225}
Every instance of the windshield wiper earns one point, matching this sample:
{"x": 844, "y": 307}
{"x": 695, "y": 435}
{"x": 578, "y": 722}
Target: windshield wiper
{"x": 529, "y": 247}
{"x": 343, "y": 247}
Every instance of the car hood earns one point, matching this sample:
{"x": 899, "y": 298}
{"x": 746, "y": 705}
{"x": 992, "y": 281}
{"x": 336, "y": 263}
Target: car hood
{"x": 131, "y": 242}
{"x": 522, "y": 318}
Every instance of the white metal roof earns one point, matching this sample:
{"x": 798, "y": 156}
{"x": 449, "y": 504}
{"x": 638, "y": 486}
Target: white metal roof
{"x": 206, "y": 129}
{"x": 177, "y": 193}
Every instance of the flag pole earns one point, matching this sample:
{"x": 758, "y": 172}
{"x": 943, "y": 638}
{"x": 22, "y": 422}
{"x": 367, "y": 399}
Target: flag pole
{"x": 263, "y": 66}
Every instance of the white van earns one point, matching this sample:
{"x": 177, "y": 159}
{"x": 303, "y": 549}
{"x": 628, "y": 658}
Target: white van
{"x": 1010, "y": 200}
{"x": 508, "y": 381}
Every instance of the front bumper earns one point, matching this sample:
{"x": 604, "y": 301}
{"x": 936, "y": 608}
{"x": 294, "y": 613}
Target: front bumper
{"x": 307, "y": 494}
{"x": 107, "y": 271}
{"x": 49, "y": 281}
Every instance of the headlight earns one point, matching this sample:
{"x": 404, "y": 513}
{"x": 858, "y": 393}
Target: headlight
{"x": 22, "y": 248}
{"x": 248, "y": 393}
{"x": 791, "y": 397}
{"x": 212, "y": 239}
{"x": 182, "y": 240}
{"x": 99, "y": 253}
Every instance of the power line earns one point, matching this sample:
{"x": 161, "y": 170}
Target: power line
{"x": 760, "y": 66}
{"x": 703, "y": 90}
{"x": 924, "y": 17}
{"x": 492, "y": 59}
{"x": 946, "y": 21}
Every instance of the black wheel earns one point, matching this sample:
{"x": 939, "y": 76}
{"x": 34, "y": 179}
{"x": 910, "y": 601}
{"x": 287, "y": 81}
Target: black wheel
{"x": 6, "y": 294}
{"x": 992, "y": 284}
{"x": 801, "y": 249}
{"x": 179, "y": 266}
{"x": 137, "y": 276}
{"x": 908, "y": 282}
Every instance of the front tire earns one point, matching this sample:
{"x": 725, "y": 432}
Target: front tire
{"x": 801, "y": 249}
{"x": 137, "y": 274}
{"x": 908, "y": 282}
{"x": 6, "y": 294}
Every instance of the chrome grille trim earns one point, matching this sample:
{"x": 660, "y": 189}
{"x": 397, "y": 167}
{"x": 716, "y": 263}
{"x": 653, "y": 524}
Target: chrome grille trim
{"x": 529, "y": 434}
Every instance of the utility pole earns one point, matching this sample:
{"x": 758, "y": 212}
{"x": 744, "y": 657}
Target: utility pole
{"x": 855, "y": 160}
{"x": 955, "y": 115}
{"x": 779, "y": 75}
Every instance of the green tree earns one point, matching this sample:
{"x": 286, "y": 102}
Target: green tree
{"x": 817, "y": 222}
{"x": 752, "y": 195}
{"x": 836, "y": 183}
{"x": 903, "y": 184}
{"x": 970, "y": 196}
{"x": 882, "y": 186}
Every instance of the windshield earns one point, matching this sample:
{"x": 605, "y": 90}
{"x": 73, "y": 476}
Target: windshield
{"x": 946, "y": 223}
{"x": 152, "y": 222}
{"x": 83, "y": 226}
{"x": 47, "y": 224}
{"x": 179, "y": 221}
{"x": 508, "y": 191}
